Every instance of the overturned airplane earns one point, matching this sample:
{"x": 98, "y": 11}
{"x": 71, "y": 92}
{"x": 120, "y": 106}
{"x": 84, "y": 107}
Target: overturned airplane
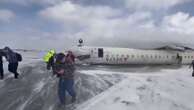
{"x": 109, "y": 55}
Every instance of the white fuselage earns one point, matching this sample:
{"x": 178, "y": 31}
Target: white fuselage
{"x": 106, "y": 55}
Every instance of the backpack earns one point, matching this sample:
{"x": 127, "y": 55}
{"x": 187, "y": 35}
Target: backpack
{"x": 19, "y": 57}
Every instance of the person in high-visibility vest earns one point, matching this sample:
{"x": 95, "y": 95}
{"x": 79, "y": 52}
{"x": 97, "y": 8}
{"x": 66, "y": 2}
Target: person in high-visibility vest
{"x": 49, "y": 55}
{"x": 49, "y": 59}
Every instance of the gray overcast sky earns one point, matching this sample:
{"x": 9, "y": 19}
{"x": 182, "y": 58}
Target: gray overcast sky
{"x": 44, "y": 24}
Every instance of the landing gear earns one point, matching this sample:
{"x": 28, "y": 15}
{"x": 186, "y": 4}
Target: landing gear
{"x": 80, "y": 43}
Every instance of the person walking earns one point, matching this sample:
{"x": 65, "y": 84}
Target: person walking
{"x": 13, "y": 58}
{"x": 50, "y": 58}
{"x": 192, "y": 65}
{"x": 64, "y": 68}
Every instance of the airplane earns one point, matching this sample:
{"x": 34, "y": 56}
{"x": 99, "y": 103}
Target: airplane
{"x": 179, "y": 55}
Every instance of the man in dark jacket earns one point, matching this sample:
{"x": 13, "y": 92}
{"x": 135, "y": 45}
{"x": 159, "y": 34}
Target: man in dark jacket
{"x": 1, "y": 65}
{"x": 13, "y": 61}
{"x": 64, "y": 68}
{"x": 192, "y": 65}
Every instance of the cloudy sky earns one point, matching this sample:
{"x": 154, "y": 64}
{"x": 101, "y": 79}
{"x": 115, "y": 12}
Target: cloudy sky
{"x": 44, "y": 24}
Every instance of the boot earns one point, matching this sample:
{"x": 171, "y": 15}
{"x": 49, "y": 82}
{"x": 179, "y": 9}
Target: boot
{"x": 1, "y": 77}
{"x": 16, "y": 76}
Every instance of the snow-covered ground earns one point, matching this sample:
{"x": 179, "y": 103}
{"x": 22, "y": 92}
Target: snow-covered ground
{"x": 168, "y": 89}
{"x": 99, "y": 87}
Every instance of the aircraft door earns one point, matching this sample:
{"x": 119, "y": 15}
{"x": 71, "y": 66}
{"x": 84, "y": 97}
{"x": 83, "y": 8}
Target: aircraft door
{"x": 100, "y": 52}
{"x": 179, "y": 59}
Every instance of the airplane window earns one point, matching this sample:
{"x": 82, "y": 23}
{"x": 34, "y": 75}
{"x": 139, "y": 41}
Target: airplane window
{"x": 155, "y": 56}
{"x": 142, "y": 56}
{"x": 159, "y": 56}
{"x": 132, "y": 56}
{"x": 185, "y": 56}
{"x": 167, "y": 56}
{"x": 151, "y": 56}
{"x": 127, "y": 56}
{"x": 191, "y": 56}
{"x": 188, "y": 56}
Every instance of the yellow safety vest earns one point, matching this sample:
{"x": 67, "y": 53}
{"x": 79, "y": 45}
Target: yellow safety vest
{"x": 48, "y": 56}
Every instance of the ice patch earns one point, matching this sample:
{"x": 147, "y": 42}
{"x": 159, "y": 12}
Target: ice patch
{"x": 38, "y": 86}
{"x": 23, "y": 105}
{"x": 51, "y": 107}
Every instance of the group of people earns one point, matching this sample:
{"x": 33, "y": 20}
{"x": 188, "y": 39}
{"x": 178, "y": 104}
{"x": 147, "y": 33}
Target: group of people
{"x": 13, "y": 58}
{"x": 63, "y": 66}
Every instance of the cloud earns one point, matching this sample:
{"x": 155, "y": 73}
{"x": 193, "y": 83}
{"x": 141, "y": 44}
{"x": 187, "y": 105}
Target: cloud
{"x": 68, "y": 11}
{"x": 60, "y": 26}
{"x": 152, "y": 4}
{"x": 180, "y": 22}
{"x": 100, "y": 22}
{"x": 6, "y": 15}
{"x": 96, "y": 18}
{"x": 30, "y": 2}
{"x": 130, "y": 4}
{"x": 103, "y": 25}
{"x": 34, "y": 40}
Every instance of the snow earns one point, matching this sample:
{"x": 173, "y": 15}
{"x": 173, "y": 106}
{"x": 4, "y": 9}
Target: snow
{"x": 155, "y": 91}
{"x": 99, "y": 87}
{"x": 39, "y": 86}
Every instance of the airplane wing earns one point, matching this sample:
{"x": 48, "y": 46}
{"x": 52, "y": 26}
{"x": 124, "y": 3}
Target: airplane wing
{"x": 81, "y": 53}
{"x": 83, "y": 57}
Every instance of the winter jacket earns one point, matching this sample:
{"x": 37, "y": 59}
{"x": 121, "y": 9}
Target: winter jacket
{"x": 1, "y": 59}
{"x": 64, "y": 70}
{"x": 11, "y": 57}
{"x": 193, "y": 64}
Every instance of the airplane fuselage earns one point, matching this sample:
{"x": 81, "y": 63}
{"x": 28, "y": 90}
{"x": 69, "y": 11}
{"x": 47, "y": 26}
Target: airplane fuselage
{"x": 106, "y": 55}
